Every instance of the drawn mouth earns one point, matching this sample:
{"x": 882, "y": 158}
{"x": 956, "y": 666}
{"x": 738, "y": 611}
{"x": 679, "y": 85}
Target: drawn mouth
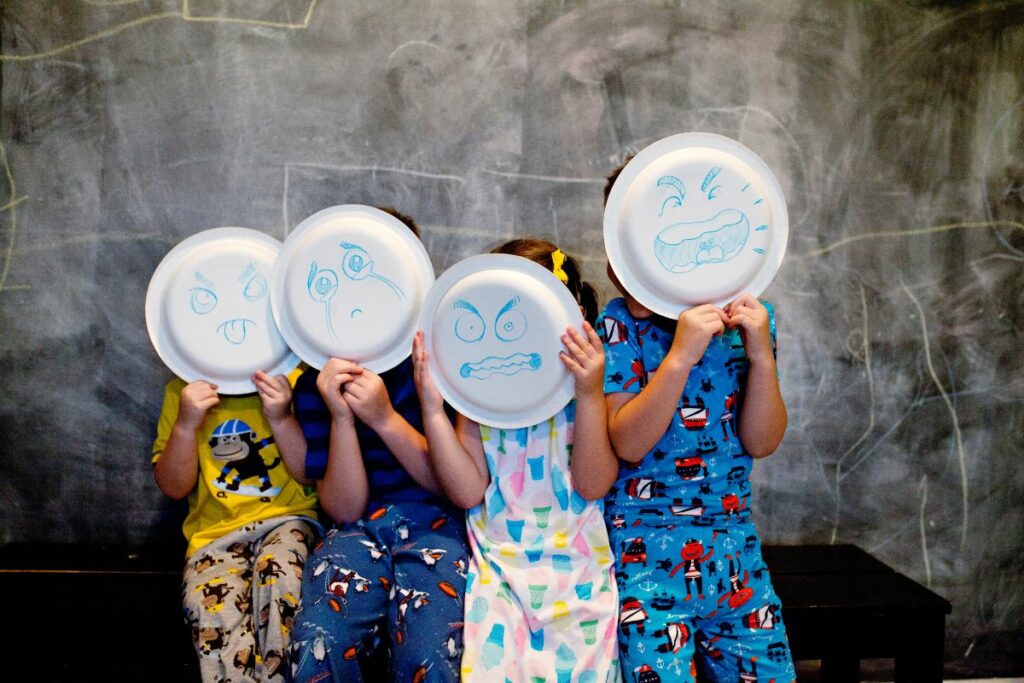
{"x": 234, "y": 331}
{"x": 724, "y": 240}
{"x": 494, "y": 365}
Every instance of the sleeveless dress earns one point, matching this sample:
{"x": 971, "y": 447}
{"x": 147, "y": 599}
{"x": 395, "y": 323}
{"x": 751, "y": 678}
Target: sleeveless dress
{"x": 541, "y": 599}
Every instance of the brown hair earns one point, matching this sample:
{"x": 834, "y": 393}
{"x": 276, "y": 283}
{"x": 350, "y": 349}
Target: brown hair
{"x": 539, "y": 251}
{"x": 409, "y": 222}
{"x": 610, "y": 179}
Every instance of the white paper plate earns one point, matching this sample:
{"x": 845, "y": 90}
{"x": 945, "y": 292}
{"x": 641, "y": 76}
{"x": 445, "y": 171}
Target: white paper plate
{"x": 695, "y": 218}
{"x": 208, "y": 309}
{"x": 349, "y": 282}
{"x": 492, "y": 326}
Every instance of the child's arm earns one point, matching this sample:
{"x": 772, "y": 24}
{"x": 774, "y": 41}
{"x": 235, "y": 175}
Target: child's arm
{"x": 763, "y": 416}
{"x": 456, "y": 454}
{"x": 368, "y": 398}
{"x": 594, "y": 467}
{"x": 344, "y": 491}
{"x": 177, "y": 469}
{"x": 276, "y": 395}
{"x": 636, "y": 422}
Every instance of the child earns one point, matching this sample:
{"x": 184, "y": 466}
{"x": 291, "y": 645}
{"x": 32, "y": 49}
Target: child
{"x": 690, "y": 403}
{"x": 540, "y": 599}
{"x": 394, "y": 567}
{"x": 248, "y": 526}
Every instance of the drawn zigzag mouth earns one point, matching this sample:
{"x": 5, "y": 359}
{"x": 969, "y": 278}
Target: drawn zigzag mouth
{"x": 495, "y": 365}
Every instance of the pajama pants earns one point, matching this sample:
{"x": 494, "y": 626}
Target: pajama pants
{"x": 698, "y": 599}
{"x": 398, "y": 576}
{"x": 240, "y": 594}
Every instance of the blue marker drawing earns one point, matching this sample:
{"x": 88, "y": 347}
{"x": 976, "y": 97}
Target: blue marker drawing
{"x": 510, "y": 324}
{"x": 470, "y": 326}
{"x": 256, "y": 288}
{"x": 711, "y": 192}
{"x": 759, "y": 250}
{"x": 495, "y": 365}
{"x": 356, "y": 264}
{"x": 677, "y": 196}
{"x": 760, "y": 228}
{"x": 719, "y": 238}
{"x": 202, "y": 300}
{"x": 759, "y": 201}
{"x": 235, "y": 331}
{"x": 322, "y": 285}
{"x": 712, "y": 174}
{"x": 745, "y": 187}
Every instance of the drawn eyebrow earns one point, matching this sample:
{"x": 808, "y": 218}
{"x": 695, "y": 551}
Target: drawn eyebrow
{"x": 462, "y": 303}
{"x": 509, "y": 305}
{"x": 205, "y": 281}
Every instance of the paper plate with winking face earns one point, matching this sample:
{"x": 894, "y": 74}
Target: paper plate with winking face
{"x": 349, "y": 282}
{"x": 695, "y": 218}
{"x": 208, "y": 309}
{"x": 492, "y": 327}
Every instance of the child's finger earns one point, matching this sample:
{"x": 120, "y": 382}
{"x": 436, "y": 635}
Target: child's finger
{"x": 592, "y": 335}
{"x": 570, "y": 363}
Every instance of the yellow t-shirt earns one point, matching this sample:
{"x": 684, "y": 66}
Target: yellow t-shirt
{"x": 241, "y": 476}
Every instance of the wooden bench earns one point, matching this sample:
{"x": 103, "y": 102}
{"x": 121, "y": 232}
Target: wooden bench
{"x": 80, "y": 612}
{"x": 841, "y": 605}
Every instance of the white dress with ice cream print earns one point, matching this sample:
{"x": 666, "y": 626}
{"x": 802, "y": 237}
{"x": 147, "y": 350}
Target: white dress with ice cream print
{"x": 541, "y": 600}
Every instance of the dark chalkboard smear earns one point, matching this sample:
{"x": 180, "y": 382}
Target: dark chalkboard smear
{"x": 896, "y": 129}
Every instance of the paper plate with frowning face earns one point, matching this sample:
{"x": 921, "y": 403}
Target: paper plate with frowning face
{"x": 349, "y": 282}
{"x": 208, "y": 309}
{"x": 695, "y": 218}
{"x": 492, "y": 327}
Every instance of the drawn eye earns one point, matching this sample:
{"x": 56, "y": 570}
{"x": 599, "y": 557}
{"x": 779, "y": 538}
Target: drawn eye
{"x": 256, "y": 288}
{"x": 356, "y": 263}
{"x": 510, "y": 326}
{"x": 321, "y": 283}
{"x": 469, "y": 327}
{"x": 203, "y": 300}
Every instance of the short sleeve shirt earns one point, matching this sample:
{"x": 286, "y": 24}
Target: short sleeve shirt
{"x": 389, "y": 481}
{"x": 698, "y": 472}
{"x": 241, "y": 476}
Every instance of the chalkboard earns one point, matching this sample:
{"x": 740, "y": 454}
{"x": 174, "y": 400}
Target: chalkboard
{"x": 895, "y": 128}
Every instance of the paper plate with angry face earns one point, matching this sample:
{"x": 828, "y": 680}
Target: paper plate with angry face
{"x": 492, "y": 326}
{"x": 695, "y": 218}
{"x": 208, "y": 309}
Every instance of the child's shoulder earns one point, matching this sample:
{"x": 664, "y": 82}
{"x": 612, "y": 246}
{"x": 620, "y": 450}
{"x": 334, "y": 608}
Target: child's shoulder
{"x": 616, "y": 308}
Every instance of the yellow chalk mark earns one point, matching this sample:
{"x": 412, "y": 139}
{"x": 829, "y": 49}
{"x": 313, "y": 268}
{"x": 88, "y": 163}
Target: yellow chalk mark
{"x": 90, "y": 39}
{"x": 952, "y": 412}
{"x": 912, "y": 232}
{"x": 185, "y": 15}
{"x": 13, "y": 193}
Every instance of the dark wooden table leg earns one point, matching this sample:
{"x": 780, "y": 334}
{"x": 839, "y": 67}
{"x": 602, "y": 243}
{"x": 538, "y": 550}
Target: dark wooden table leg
{"x": 919, "y": 657}
{"x": 840, "y": 668}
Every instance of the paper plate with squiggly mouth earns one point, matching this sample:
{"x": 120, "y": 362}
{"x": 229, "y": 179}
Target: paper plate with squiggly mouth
{"x": 492, "y": 326}
{"x": 695, "y": 218}
{"x": 349, "y": 283}
{"x": 208, "y": 309}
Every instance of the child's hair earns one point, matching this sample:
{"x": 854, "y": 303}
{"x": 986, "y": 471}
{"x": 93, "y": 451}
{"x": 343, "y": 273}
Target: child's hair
{"x": 610, "y": 179}
{"x": 539, "y": 251}
{"x": 409, "y": 222}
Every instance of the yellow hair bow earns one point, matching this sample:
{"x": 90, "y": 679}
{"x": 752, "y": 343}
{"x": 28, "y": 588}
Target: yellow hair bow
{"x": 558, "y": 257}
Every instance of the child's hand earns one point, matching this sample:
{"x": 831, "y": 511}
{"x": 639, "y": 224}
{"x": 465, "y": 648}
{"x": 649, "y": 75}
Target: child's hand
{"x": 196, "y": 399}
{"x": 430, "y": 398}
{"x": 336, "y": 373}
{"x": 751, "y": 317}
{"x": 368, "y": 398}
{"x": 584, "y": 357}
{"x": 276, "y": 394}
{"x": 694, "y": 330}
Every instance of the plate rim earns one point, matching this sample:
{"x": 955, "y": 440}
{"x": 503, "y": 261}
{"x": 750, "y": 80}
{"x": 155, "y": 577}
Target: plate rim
{"x": 402, "y": 348}
{"x": 565, "y": 390}
{"x": 156, "y": 292}
{"x": 639, "y": 163}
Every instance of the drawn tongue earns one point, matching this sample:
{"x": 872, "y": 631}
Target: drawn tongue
{"x": 234, "y": 331}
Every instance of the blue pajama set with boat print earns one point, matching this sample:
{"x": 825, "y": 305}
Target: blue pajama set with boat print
{"x": 394, "y": 579}
{"x": 693, "y": 587}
